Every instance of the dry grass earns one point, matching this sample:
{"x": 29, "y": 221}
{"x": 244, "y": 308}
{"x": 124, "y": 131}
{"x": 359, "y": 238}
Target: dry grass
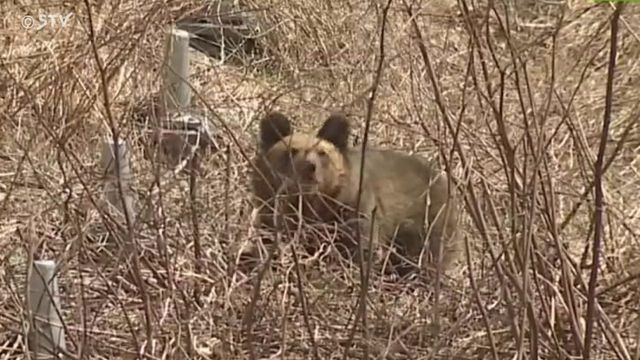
{"x": 523, "y": 153}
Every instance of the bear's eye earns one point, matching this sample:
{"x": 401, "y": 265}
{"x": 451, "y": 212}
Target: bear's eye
{"x": 322, "y": 153}
{"x": 293, "y": 152}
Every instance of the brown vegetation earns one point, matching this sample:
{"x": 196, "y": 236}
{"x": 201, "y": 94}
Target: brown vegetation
{"x": 512, "y": 98}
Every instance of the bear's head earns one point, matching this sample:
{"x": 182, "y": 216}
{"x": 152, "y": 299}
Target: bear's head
{"x": 310, "y": 166}
{"x": 315, "y": 162}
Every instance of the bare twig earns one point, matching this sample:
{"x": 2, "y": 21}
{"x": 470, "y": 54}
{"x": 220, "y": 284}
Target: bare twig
{"x": 364, "y": 271}
{"x": 598, "y": 174}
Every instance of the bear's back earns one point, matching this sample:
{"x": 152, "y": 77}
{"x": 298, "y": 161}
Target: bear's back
{"x": 396, "y": 179}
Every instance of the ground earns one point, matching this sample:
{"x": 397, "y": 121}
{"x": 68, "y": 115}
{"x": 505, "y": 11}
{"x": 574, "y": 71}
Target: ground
{"x": 511, "y": 99}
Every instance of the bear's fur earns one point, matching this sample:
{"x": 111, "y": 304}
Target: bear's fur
{"x": 320, "y": 172}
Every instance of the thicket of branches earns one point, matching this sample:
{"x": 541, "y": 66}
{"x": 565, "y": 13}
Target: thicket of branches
{"x": 531, "y": 106}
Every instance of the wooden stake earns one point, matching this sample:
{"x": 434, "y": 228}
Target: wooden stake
{"x": 46, "y": 335}
{"x": 116, "y": 164}
{"x": 176, "y": 91}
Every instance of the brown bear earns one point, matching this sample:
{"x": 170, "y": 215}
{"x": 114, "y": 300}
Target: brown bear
{"x": 315, "y": 178}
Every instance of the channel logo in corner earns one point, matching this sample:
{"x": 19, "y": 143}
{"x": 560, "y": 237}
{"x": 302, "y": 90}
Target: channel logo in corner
{"x": 41, "y": 21}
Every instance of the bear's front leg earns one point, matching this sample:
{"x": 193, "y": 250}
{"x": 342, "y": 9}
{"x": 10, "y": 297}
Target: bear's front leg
{"x": 363, "y": 233}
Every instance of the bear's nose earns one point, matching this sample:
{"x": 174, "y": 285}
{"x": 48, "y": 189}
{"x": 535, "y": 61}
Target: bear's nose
{"x": 306, "y": 170}
{"x": 309, "y": 168}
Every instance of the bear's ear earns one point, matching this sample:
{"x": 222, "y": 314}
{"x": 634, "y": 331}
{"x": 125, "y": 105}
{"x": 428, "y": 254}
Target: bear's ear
{"x": 336, "y": 130}
{"x": 273, "y": 127}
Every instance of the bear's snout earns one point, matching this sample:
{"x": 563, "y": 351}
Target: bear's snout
{"x": 307, "y": 170}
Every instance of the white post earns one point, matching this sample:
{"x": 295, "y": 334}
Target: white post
{"x": 176, "y": 93}
{"x": 46, "y": 333}
{"x": 110, "y": 171}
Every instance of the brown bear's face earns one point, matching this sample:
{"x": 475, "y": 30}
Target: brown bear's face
{"x": 310, "y": 163}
